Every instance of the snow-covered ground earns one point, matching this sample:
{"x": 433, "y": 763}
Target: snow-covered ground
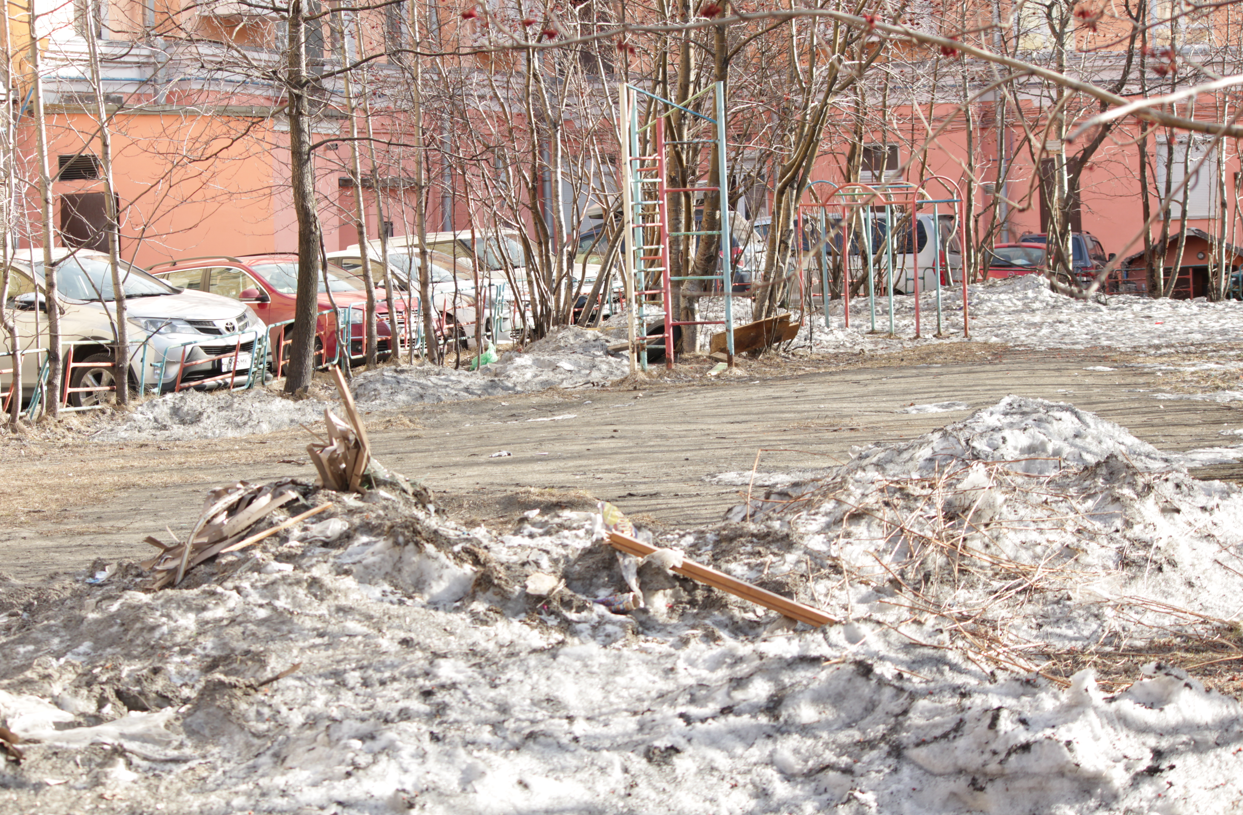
{"x": 1022, "y": 312}
{"x": 570, "y": 358}
{"x": 977, "y": 572}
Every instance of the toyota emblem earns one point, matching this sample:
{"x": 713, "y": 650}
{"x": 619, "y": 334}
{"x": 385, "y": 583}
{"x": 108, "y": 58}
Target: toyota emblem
{"x": 230, "y": 327}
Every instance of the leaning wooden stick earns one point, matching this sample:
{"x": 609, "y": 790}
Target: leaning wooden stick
{"x": 711, "y": 577}
{"x": 253, "y": 539}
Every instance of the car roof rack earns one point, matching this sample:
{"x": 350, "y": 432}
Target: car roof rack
{"x": 174, "y": 263}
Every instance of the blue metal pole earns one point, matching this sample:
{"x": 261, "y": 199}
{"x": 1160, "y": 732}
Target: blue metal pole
{"x": 727, "y": 249}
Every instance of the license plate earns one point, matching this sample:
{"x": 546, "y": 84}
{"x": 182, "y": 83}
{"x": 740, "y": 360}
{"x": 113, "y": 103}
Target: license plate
{"x": 243, "y": 362}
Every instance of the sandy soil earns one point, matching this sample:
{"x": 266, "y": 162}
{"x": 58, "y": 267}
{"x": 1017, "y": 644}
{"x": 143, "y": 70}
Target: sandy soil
{"x": 647, "y": 444}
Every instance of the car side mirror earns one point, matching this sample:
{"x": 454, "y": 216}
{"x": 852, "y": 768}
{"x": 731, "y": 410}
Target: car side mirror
{"x": 1111, "y": 257}
{"x": 254, "y": 296}
{"x": 30, "y": 301}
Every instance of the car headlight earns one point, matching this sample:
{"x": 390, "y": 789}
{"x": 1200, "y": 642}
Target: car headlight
{"x": 248, "y": 319}
{"x": 161, "y": 325}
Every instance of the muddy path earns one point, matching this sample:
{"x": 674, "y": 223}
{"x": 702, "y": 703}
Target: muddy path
{"x": 69, "y": 501}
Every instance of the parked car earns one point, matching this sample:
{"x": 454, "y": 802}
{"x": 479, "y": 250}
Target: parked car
{"x": 214, "y": 336}
{"x": 1087, "y": 254}
{"x": 1015, "y": 259}
{"x": 269, "y": 284}
{"x": 453, "y": 298}
{"x": 932, "y": 247}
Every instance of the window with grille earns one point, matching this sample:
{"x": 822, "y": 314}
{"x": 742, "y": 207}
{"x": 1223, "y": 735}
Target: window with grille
{"x": 81, "y": 167}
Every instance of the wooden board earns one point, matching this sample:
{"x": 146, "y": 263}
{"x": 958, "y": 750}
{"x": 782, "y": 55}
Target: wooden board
{"x": 739, "y": 588}
{"x": 756, "y": 335}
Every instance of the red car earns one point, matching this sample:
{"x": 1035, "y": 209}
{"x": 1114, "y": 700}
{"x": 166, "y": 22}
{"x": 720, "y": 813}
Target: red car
{"x": 1014, "y": 259}
{"x": 269, "y": 285}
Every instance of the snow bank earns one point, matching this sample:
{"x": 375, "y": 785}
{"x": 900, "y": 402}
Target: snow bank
{"x": 1029, "y": 522}
{"x": 1019, "y": 311}
{"x": 212, "y": 415}
{"x": 438, "y": 668}
{"x": 568, "y": 358}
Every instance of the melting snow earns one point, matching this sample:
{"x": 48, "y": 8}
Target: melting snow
{"x": 972, "y": 568}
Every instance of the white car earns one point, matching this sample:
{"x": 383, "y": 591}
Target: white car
{"x": 936, "y": 251}
{"x": 176, "y": 338}
{"x": 453, "y": 297}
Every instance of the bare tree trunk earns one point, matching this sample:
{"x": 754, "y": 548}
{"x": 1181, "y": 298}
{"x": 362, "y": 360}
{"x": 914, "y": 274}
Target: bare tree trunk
{"x": 8, "y": 166}
{"x": 432, "y": 348}
{"x": 52, "y": 394}
{"x": 120, "y": 354}
{"x": 360, "y": 213}
{"x": 302, "y": 185}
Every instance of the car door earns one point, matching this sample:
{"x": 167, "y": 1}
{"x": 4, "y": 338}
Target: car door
{"x": 31, "y": 325}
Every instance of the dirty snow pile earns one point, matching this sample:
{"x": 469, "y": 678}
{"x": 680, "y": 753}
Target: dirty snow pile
{"x": 385, "y": 659}
{"x": 212, "y": 415}
{"x": 569, "y": 358}
{"x": 1028, "y": 531}
{"x": 1020, "y": 311}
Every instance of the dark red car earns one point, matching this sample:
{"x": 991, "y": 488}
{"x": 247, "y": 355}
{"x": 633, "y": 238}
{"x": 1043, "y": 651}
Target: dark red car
{"x": 269, "y": 285}
{"x": 1014, "y": 259}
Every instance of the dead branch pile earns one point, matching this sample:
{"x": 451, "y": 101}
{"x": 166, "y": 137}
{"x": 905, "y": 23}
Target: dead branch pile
{"x": 1038, "y": 572}
{"x": 225, "y": 525}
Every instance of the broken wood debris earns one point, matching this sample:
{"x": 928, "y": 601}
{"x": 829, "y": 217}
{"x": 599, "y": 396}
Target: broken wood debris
{"x": 229, "y": 516}
{"x": 739, "y": 588}
{"x": 757, "y": 335}
{"x": 342, "y": 460}
{"x": 8, "y": 743}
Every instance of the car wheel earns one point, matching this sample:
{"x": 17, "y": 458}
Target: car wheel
{"x": 95, "y": 373}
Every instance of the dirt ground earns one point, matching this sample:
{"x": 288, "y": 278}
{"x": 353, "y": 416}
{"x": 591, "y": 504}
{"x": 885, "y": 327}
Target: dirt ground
{"x": 646, "y": 444}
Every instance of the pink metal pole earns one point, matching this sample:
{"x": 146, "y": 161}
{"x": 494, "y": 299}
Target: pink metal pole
{"x": 666, "y": 284}
{"x": 845, "y": 269}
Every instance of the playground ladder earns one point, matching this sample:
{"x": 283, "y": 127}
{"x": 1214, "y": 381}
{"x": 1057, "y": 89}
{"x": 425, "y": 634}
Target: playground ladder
{"x": 646, "y": 194}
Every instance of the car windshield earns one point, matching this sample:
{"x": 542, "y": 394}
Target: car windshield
{"x": 284, "y": 278}
{"x": 410, "y": 265}
{"x": 1025, "y": 256}
{"x": 499, "y": 253}
{"x": 1079, "y": 252}
{"x": 90, "y": 278}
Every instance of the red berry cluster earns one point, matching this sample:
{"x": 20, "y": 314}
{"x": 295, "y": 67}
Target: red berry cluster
{"x": 1164, "y": 61}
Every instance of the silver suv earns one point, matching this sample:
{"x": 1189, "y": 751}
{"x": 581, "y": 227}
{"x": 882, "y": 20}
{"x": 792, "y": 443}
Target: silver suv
{"x": 176, "y": 338}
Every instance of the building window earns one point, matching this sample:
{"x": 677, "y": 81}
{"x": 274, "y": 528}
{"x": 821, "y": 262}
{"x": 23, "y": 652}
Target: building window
{"x": 1196, "y": 162}
{"x": 1181, "y": 24}
{"x": 388, "y": 229}
{"x": 394, "y": 26}
{"x": 81, "y": 167}
{"x": 90, "y": 18}
{"x": 1031, "y": 26}
{"x": 879, "y": 163}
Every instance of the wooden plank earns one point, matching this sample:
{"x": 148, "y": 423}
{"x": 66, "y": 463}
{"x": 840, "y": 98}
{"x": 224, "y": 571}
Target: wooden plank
{"x": 263, "y": 504}
{"x": 253, "y": 539}
{"x": 351, "y": 410}
{"x": 313, "y": 452}
{"x": 231, "y": 496}
{"x": 752, "y": 336}
{"x": 739, "y": 588}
